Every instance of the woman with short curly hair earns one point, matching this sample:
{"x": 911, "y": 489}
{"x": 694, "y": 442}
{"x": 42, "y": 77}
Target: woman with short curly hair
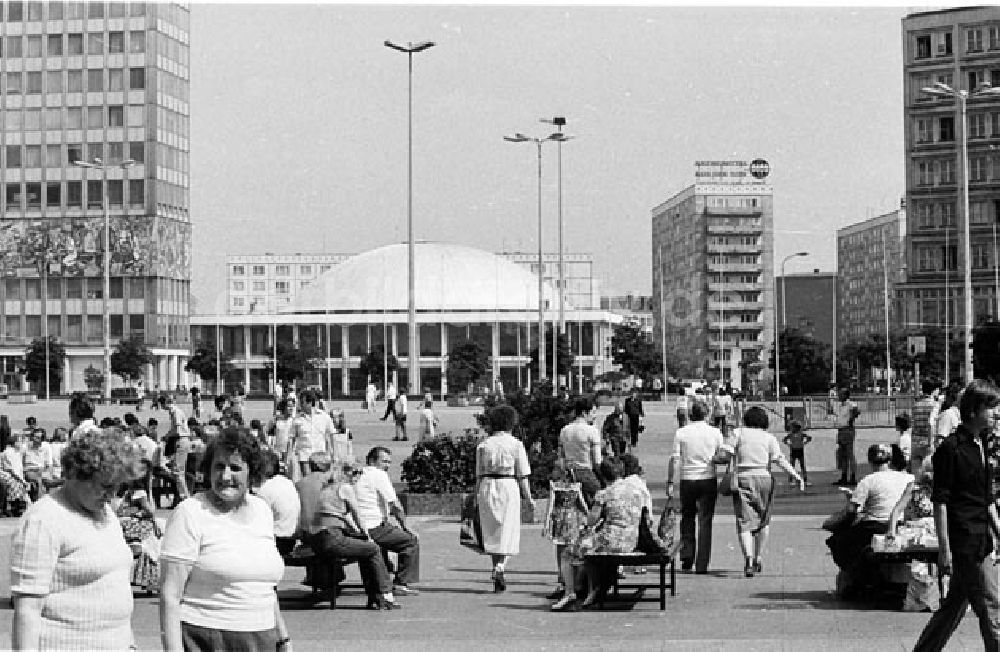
{"x": 70, "y": 564}
{"x": 218, "y": 562}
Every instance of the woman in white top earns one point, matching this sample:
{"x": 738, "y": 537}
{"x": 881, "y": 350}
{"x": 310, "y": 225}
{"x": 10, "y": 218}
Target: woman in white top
{"x": 219, "y": 563}
{"x": 501, "y": 482}
{"x": 70, "y": 564}
{"x": 755, "y": 451}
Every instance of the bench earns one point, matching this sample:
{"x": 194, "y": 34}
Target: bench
{"x": 609, "y": 563}
{"x": 326, "y": 579}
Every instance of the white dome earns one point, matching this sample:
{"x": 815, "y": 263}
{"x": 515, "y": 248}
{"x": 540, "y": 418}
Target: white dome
{"x": 448, "y": 278}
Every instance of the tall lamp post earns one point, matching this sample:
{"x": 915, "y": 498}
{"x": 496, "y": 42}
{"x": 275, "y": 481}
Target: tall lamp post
{"x": 106, "y": 326}
{"x": 409, "y": 50}
{"x": 777, "y": 333}
{"x": 940, "y": 89}
{"x": 559, "y": 122}
{"x": 521, "y": 138}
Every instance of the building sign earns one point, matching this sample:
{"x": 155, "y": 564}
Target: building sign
{"x": 742, "y": 172}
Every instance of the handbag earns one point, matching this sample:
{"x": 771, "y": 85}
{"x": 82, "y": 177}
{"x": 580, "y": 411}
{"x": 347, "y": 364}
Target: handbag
{"x": 470, "y": 534}
{"x": 728, "y": 483}
{"x": 840, "y": 520}
{"x": 649, "y": 538}
{"x": 665, "y": 529}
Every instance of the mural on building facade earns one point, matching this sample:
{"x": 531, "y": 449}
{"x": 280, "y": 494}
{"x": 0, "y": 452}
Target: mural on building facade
{"x": 75, "y": 247}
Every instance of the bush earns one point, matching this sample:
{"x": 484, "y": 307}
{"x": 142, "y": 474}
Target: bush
{"x": 444, "y": 464}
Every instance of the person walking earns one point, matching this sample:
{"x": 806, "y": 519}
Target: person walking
{"x": 580, "y": 448}
{"x": 614, "y": 432}
{"x": 682, "y": 406}
{"x": 755, "y": 450}
{"x": 502, "y": 472}
{"x": 390, "y": 401}
{"x": 696, "y": 447}
{"x": 635, "y": 414}
{"x": 399, "y": 412}
{"x": 965, "y": 514}
{"x": 371, "y": 394}
{"x": 921, "y": 438}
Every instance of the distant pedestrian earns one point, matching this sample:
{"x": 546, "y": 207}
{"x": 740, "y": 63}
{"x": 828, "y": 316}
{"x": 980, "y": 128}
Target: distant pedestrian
{"x": 796, "y": 440}
{"x": 371, "y": 394}
{"x": 614, "y": 432}
{"x": 905, "y": 441}
{"x": 390, "y": 401}
{"x": 921, "y": 439}
{"x": 846, "y": 413}
{"x": 196, "y": 403}
{"x": 428, "y": 421}
{"x": 965, "y": 513}
{"x": 634, "y": 412}
{"x": 140, "y": 392}
{"x": 682, "y": 407}
{"x": 399, "y": 412}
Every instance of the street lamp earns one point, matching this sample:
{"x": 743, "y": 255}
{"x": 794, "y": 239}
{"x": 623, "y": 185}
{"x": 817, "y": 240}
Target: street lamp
{"x": 777, "y": 334}
{"x": 409, "y": 49}
{"x": 940, "y": 89}
{"x": 559, "y": 122}
{"x": 521, "y": 138}
{"x": 103, "y": 167}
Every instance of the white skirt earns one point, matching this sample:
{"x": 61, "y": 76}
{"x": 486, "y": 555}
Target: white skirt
{"x": 500, "y": 515}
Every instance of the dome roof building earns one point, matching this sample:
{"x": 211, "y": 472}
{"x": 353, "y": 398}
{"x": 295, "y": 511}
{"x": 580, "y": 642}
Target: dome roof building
{"x": 359, "y": 305}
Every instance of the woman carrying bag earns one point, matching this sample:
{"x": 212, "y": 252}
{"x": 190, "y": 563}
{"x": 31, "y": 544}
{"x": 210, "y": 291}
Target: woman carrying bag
{"x": 752, "y": 486}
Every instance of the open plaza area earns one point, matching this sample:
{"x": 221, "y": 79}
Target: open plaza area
{"x": 790, "y": 606}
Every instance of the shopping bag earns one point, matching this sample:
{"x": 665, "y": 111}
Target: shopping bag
{"x": 649, "y": 539}
{"x": 470, "y": 533}
{"x": 665, "y": 528}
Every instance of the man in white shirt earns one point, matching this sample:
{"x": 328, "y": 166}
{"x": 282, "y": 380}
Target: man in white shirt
{"x": 311, "y": 432}
{"x": 376, "y": 502}
{"x": 695, "y": 448}
{"x": 81, "y": 415}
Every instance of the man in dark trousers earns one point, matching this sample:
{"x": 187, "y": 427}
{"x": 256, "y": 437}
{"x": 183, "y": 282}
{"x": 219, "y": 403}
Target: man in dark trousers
{"x": 964, "y": 513}
{"x": 633, "y": 410}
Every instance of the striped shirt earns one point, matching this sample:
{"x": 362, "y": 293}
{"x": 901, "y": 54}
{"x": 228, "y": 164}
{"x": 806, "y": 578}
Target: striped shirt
{"x": 80, "y": 567}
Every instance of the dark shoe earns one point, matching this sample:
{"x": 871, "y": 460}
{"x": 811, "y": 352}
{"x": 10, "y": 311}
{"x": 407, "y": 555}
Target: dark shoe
{"x": 686, "y": 566}
{"x": 408, "y": 439}
{"x": 381, "y": 604}
{"x": 840, "y": 483}
{"x": 748, "y": 568}
{"x": 701, "y": 571}
{"x": 395, "y": 438}
{"x": 558, "y": 594}
{"x": 404, "y": 590}
{"x": 499, "y": 582}
{"x": 758, "y": 566}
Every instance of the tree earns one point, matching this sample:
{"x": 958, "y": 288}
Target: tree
{"x": 34, "y": 362}
{"x": 986, "y": 350}
{"x": 635, "y": 351}
{"x": 203, "y": 363}
{"x": 805, "y": 362}
{"x": 375, "y": 363}
{"x": 129, "y": 357}
{"x": 294, "y": 362}
{"x": 565, "y": 357}
{"x": 93, "y": 378}
{"x": 467, "y": 363}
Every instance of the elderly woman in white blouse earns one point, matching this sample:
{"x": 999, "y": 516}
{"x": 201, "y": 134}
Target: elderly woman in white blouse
{"x": 70, "y": 565}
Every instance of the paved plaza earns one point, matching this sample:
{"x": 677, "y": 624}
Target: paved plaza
{"x": 789, "y": 607}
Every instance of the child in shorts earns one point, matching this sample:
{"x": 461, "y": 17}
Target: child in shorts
{"x": 796, "y": 439}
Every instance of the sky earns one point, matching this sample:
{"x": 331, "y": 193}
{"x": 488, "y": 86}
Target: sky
{"x": 299, "y": 126}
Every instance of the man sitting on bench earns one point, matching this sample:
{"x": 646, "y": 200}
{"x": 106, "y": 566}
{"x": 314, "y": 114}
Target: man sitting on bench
{"x": 329, "y": 524}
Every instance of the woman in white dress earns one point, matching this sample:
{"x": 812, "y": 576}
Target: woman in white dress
{"x": 502, "y": 472}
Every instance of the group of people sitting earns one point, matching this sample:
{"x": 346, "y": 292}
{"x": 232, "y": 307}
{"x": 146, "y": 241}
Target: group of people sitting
{"x": 29, "y": 464}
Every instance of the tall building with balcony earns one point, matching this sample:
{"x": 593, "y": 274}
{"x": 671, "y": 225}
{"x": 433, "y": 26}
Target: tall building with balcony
{"x": 713, "y": 279}
{"x": 100, "y": 82}
{"x": 870, "y": 266}
{"x": 961, "y": 48}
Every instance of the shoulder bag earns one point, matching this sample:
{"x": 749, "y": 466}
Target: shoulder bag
{"x": 728, "y": 483}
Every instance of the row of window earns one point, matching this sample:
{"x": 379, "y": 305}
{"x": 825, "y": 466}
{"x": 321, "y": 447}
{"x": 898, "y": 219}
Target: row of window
{"x": 72, "y": 81}
{"x": 723, "y": 240}
{"x": 280, "y": 287}
{"x": 57, "y": 156}
{"x": 74, "y": 117}
{"x": 973, "y": 78}
{"x": 36, "y": 46}
{"x": 18, "y": 11}
{"x": 69, "y": 287}
{"x": 980, "y": 125}
{"x": 279, "y": 270}
{"x": 70, "y": 194}
{"x": 30, "y": 326}
{"x": 933, "y": 258}
{"x": 741, "y": 259}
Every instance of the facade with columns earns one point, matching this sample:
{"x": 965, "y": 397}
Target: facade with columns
{"x": 462, "y": 294}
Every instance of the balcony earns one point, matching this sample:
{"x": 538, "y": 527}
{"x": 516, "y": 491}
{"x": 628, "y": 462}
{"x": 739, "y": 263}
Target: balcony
{"x": 735, "y": 305}
{"x": 728, "y": 325}
{"x": 737, "y": 229}
{"x": 715, "y": 286}
{"x": 746, "y": 268}
{"x": 733, "y": 210}
{"x": 734, "y": 249}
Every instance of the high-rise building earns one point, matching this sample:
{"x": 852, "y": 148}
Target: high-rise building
{"x": 713, "y": 279}
{"x": 870, "y": 266}
{"x": 960, "y": 48}
{"x": 269, "y": 282}
{"x": 105, "y": 83}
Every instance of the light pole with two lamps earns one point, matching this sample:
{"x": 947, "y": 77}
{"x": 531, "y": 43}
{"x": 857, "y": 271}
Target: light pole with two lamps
{"x": 414, "y": 372}
{"x": 777, "y": 333}
{"x": 106, "y": 325}
{"x": 983, "y": 90}
{"x": 559, "y": 137}
{"x": 521, "y": 138}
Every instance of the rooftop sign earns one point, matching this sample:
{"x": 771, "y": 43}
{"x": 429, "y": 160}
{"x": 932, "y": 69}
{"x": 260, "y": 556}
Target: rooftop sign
{"x": 741, "y": 172}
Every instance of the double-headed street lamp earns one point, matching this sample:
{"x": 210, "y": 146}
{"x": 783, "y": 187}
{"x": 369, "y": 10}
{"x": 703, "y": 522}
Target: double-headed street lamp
{"x": 777, "y": 333}
{"x": 559, "y": 122}
{"x": 521, "y": 138}
{"x": 940, "y": 89}
{"x": 413, "y": 375}
{"x": 103, "y": 167}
